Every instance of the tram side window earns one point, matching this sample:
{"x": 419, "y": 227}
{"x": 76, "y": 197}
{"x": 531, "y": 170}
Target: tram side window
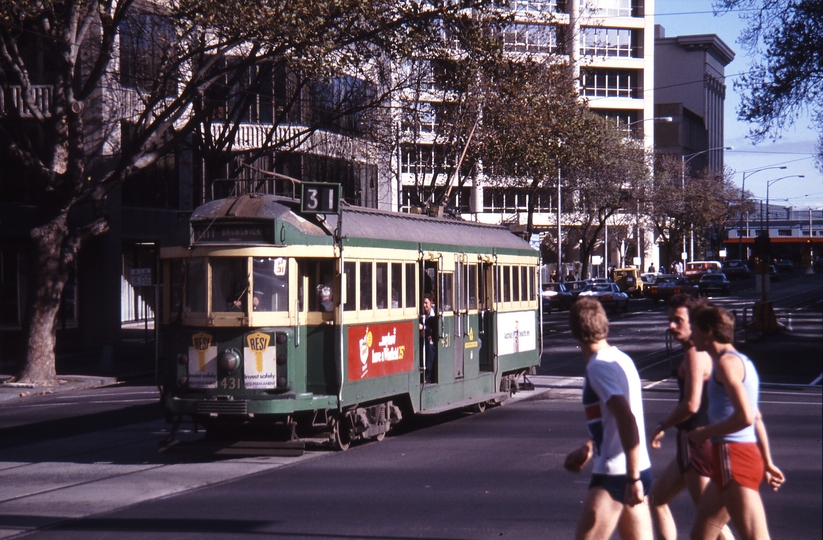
{"x": 524, "y": 284}
{"x": 365, "y": 286}
{"x": 497, "y": 272}
{"x": 381, "y": 276}
{"x": 271, "y": 284}
{"x": 515, "y": 284}
{"x": 506, "y": 285}
{"x": 396, "y": 284}
{"x": 411, "y": 278}
{"x": 459, "y": 287}
{"x": 447, "y": 292}
{"x": 351, "y": 286}
{"x": 472, "y": 284}
{"x": 196, "y": 285}
{"x": 320, "y": 275}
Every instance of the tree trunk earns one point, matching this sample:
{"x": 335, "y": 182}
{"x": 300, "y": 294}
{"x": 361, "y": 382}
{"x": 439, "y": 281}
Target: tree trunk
{"x": 50, "y": 261}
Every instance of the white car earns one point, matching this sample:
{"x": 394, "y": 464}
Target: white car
{"x": 609, "y": 294}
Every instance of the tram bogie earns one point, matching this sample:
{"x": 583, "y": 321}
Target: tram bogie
{"x": 274, "y": 317}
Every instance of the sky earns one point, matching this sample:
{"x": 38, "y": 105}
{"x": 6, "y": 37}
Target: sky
{"x": 795, "y": 148}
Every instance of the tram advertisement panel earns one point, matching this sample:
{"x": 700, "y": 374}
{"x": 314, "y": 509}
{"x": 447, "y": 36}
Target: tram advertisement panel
{"x": 376, "y": 350}
{"x": 259, "y": 367}
{"x": 515, "y": 332}
{"x": 202, "y": 361}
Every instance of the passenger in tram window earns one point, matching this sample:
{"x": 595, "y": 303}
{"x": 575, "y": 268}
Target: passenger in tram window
{"x": 428, "y": 330}
{"x": 324, "y": 298}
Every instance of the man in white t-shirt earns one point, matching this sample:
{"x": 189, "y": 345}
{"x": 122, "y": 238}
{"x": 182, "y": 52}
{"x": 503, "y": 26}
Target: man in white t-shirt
{"x": 621, "y": 475}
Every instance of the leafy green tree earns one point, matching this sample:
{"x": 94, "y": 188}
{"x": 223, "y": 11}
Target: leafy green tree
{"x": 703, "y": 204}
{"x": 106, "y": 88}
{"x": 789, "y": 78}
{"x": 536, "y": 131}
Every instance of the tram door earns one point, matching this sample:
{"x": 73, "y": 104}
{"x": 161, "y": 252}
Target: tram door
{"x": 485, "y": 319}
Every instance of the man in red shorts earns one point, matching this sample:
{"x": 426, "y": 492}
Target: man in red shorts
{"x": 740, "y": 450}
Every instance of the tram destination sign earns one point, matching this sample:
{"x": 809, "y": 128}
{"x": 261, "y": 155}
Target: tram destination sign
{"x": 319, "y": 198}
{"x": 245, "y": 233}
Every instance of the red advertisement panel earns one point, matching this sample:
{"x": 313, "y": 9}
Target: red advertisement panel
{"x": 376, "y": 350}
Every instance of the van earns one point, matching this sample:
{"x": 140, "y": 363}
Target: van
{"x": 696, "y": 269}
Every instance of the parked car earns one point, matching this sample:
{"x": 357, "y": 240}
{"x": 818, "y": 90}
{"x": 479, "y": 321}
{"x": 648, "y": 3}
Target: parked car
{"x": 666, "y": 286}
{"x": 784, "y": 265}
{"x": 556, "y": 297}
{"x": 697, "y": 269}
{"x": 736, "y": 269}
{"x": 575, "y": 287}
{"x": 609, "y": 295}
{"x": 629, "y": 280}
{"x": 713, "y": 284}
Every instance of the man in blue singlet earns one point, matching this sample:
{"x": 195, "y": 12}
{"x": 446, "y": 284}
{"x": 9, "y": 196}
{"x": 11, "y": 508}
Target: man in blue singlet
{"x": 740, "y": 448}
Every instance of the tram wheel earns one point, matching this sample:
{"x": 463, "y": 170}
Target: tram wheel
{"x": 480, "y": 407}
{"x": 342, "y": 436}
{"x": 380, "y": 436}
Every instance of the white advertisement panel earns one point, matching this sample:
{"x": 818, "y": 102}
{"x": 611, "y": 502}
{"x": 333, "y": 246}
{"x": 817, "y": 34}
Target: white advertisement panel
{"x": 515, "y": 332}
{"x": 202, "y": 362}
{"x": 259, "y": 366}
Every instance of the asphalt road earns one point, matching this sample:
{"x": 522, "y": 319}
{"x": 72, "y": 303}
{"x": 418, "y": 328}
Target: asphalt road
{"x": 84, "y": 464}
{"x": 793, "y": 356}
{"x": 463, "y": 476}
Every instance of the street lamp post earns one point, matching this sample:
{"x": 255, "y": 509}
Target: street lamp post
{"x": 768, "y": 185}
{"x": 684, "y": 160}
{"x": 742, "y": 195}
{"x": 639, "y": 241}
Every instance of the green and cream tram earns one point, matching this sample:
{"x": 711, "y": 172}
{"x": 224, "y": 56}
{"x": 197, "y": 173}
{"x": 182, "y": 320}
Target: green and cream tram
{"x": 312, "y": 321}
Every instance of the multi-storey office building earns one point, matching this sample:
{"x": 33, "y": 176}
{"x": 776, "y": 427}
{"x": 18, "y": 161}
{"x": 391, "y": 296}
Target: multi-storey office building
{"x": 310, "y": 137}
{"x": 610, "y": 44}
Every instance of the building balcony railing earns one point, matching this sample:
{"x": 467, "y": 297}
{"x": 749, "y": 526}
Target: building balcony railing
{"x": 40, "y": 95}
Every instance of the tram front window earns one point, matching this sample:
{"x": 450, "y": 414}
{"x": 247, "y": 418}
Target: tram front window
{"x": 271, "y": 284}
{"x": 195, "y": 285}
{"x": 230, "y": 284}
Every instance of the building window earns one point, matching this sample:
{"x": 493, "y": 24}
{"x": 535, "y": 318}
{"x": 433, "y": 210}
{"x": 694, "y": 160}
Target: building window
{"x": 613, "y": 42}
{"x": 536, "y": 7}
{"x": 416, "y": 196}
{"x": 608, "y": 8}
{"x": 515, "y": 200}
{"x": 530, "y": 38}
{"x": 620, "y": 83}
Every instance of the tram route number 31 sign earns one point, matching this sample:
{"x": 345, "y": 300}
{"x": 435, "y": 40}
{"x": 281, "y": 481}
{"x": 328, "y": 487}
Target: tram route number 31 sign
{"x": 319, "y": 198}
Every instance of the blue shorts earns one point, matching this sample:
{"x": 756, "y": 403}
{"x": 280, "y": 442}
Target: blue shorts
{"x": 615, "y": 484}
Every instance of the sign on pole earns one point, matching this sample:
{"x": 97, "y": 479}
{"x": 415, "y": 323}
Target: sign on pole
{"x": 140, "y": 277}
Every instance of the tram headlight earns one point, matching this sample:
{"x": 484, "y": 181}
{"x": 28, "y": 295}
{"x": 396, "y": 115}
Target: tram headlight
{"x": 229, "y": 360}
{"x": 182, "y": 359}
{"x": 281, "y": 338}
{"x": 281, "y": 360}
{"x": 183, "y": 382}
